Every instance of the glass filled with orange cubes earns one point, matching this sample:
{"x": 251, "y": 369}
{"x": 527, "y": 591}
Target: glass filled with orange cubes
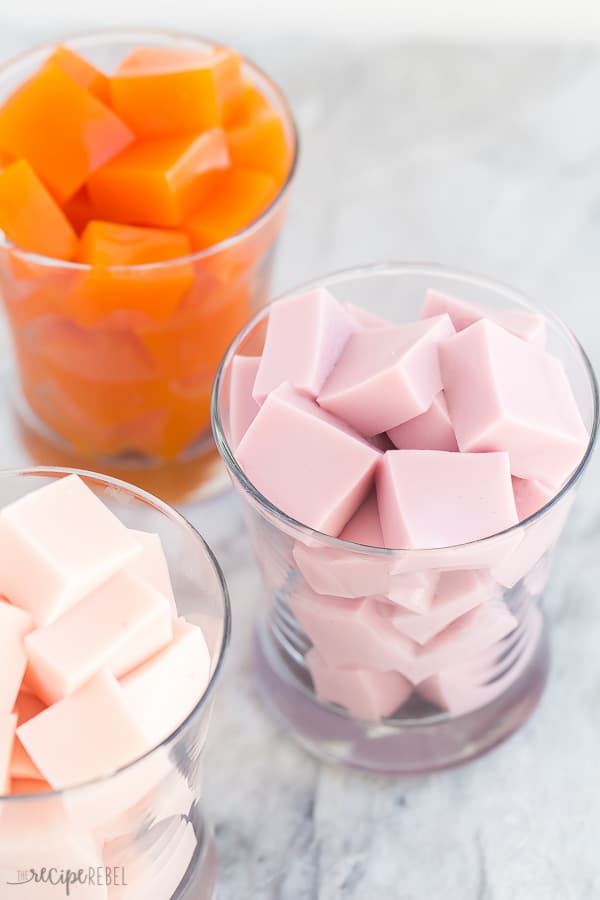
{"x": 143, "y": 185}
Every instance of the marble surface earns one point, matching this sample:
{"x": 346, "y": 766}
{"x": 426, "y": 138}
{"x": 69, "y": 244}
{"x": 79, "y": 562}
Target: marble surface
{"x": 487, "y": 160}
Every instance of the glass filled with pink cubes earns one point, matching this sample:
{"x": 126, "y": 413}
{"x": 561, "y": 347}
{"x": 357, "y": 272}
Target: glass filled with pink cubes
{"x": 138, "y": 829}
{"x": 392, "y": 638}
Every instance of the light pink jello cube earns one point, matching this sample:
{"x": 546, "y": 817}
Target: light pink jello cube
{"x": 366, "y": 695}
{"x": 432, "y": 430}
{"x": 8, "y": 725}
{"x": 456, "y": 593}
{"x": 117, "y": 627}
{"x": 365, "y": 319}
{"x": 351, "y": 634}
{"x": 14, "y": 625}
{"x": 412, "y": 590}
{"x": 468, "y": 497}
{"x": 504, "y": 394}
{"x": 526, "y": 325}
{"x": 344, "y": 573}
{"x": 469, "y": 685}
{"x": 306, "y": 462}
{"x": 530, "y": 496}
{"x": 386, "y": 376}
{"x": 242, "y": 406}
{"x": 89, "y": 734}
{"x": 21, "y": 764}
{"x": 151, "y": 565}
{"x": 475, "y": 631}
{"x": 305, "y": 336}
{"x": 57, "y": 544}
{"x": 537, "y": 538}
{"x": 163, "y": 690}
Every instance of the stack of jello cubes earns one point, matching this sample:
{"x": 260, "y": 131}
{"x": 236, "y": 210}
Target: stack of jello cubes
{"x": 436, "y": 439}
{"x": 127, "y": 180}
{"x": 91, "y": 644}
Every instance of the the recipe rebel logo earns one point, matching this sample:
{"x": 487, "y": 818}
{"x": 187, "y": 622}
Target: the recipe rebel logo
{"x": 54, "y": 881}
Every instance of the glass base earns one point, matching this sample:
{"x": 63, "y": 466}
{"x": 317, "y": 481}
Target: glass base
{"x": 197, "y": 475}
{"x": 200, "y": 880}
{"x": 398, "y": 747}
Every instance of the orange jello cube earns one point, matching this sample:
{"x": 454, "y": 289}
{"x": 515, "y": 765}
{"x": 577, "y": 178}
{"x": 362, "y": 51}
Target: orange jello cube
{"x": 79, "y": 210}
{"x": 82, "y": 71}
{"x": 163, "y": 91}
{"x": 158, "y": 182}
{"x": 188, "y": 416}
{"x": 112, "y": 285}
{"x": 5, "y": 159}
{"x": 249, "y": 105}
{"x": 30, "y": 217}
{"x": 261, "y": 144}
{"x": 110, "y": 244}
{"x": 236, "y": 200}
{"x": 191, "y": 344}
{"x": 61, "y": 130}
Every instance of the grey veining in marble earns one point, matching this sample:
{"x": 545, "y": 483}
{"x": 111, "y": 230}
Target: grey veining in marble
{"x": 487, "y": 160}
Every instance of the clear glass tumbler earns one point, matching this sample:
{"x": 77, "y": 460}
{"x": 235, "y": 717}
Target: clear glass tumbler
{"x": 114, "y": 373}
{"x": 471, "y": 687}
{"x": 138, "y": 833}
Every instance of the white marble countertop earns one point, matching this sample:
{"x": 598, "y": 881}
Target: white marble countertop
{"x": 481, "y": 159}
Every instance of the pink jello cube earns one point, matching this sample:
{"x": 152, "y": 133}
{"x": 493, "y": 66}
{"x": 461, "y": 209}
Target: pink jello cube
{"x": 432, "y": 430}
{"x": 351, "y": 634}
{"x": 469, "y": 496}
{"x": 242, "y": 405}
{"x": 21, "y": 765}
{"x": 116, "y": 627}
{"x": 56, "y": 545}
{"x": 164, "y": 690}
{"x": 366, "y": 695}
{"x": 530, "y": 496}
{"x": 151, "y": 565}
{"x": 344, "y": 573}
{"x": 537, "y": 538}
{"x": 305, "y": 336}
{"x": 8, "y": 725}
{"x": 89, "y": 734}
{"x": 364, "y": 527}
{"x": 469, "y": 685}
{"x": 505, "y": 394}
{"x": 456, "y": 593}
{"x": 14, "y": 625}
{"x": 306, "y": 462}
{"x": 470, "y": 635}
{"x": 386, "y": 376}
{"x": 526, "y": 325}
{"x": 347, "y": 573}
{"x": 365, "y": 319}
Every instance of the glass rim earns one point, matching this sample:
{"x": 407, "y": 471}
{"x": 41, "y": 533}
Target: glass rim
{"x": 87, "y": 38}
{"x": 179, "y": 521}
{"x": 356, "y": 273}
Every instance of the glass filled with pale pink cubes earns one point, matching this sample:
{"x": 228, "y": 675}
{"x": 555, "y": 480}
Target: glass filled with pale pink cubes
{"x": 114, "y": 619}
{"x": 406, "y": 442}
